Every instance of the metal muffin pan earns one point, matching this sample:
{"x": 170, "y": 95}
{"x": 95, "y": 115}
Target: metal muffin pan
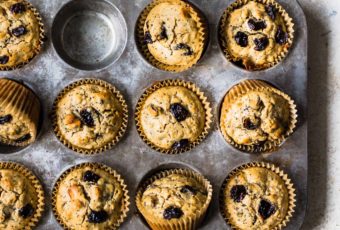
{"x": 131, "y": 157}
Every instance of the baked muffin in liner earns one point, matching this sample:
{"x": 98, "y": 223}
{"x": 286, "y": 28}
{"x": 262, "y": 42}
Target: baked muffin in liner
{"x": 39, "y": 209}
{"x": 18, "y": 104}
{"x": 190, "y": 222}
{"x": 93, "y": 165}
{"x": 273, "y": 168}
{"x": 243, "y": 88}
{"x": 42, "y": 38}
{"x": 187, "y": 85}
{"x": 124, "y": 112}
{"x": 142, "y": 46}
{"x": 223, "y": 39}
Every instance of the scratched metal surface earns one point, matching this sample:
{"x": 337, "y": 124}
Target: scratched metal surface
{"x": 214, "y": 158}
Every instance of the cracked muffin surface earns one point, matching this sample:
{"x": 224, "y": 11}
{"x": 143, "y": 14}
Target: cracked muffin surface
{"x": 18, "y": 200}
{"x": 89, "y": 116}
{"x": 89, "y": 198}
{"x": 172, "y": 33}
{"x": 256, "y": 117}
{"x": 172, "y": 117}
{"x": 255, "y": 34}
{"x": 173, "y": 197}
{"x": 19, "y": 33}
{"x": 256, "y": 198}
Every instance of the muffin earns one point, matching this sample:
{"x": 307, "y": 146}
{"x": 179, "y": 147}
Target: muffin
{"x": 21, "y": 199}
{"x": 174, "y": 34}
{"x": 90, "y": 196}
{"x": 19, "y": 114}
{"x": 257, "y": 196}
{"x": 90, "y": 116}
{"x": 21, "y": 34}
{"x": 177, "y": 197}
{"x": 256, "y": 116}
{"x": 256, "y": 34}
{"x": 173, "y": 116}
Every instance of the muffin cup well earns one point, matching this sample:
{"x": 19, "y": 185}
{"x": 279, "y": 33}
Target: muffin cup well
{"x": 223, "y": 40}
{"x": 143, "y": 48}
{"x": 190, "y": 222}
{"x": 273, "y": 168}
{"x": 42, "y": 37}
{"x": 37, "y": 186}
{"x": 93, "y": 165}
{"x": 182, "y": 83}
{"x": 115, "y": 92}
{"x": 21, "y": 102}
{"x": 256, "y": 85}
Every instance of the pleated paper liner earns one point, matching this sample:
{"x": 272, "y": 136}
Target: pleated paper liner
{"x": 34, "y": 219}
{"x": 188, "y": 222}
{"x": 21, "y": 102}
{"x": 223, "y": 40}
{"x": 93, "y": 165}
{"x": 174, "y": 82}
{"x": 124, "y": 114}
{"x": 273, "y": 168}
{"x": 42, "y": 38}
{"x": 241, "y": 89}
{"x": 143, "y": 48}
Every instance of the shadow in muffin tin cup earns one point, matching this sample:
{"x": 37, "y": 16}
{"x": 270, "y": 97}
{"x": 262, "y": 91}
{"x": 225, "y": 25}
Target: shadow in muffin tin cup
{"x": 89, "y": 34}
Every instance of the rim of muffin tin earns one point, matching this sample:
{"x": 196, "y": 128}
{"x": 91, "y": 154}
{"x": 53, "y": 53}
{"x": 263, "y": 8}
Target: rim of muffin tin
{"x": 11, "y": 149}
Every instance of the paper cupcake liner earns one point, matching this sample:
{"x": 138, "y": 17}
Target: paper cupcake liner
{"x": 239, "y": 90}
{"x": 21, "y": 102}
{"x": 93, "y": 165}
{"x": 237, "y": 4}
{"x": 143, "y": 48}
{"x": 37, "y": 186}
{"x": 120, "y": 133}
{"x": 175, "y": 82}
{"x": 273, "y": 168}
{"x": 190, "y": 222}
{"x": 42, "y": 38}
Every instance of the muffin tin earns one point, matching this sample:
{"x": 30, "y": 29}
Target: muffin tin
{"x": 131, "y": 157}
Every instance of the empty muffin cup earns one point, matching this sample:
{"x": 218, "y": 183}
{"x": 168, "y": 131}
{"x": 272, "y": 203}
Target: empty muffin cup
{"x": 89, "y": 34}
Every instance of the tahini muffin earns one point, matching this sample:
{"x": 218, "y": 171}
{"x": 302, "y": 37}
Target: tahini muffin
{"x": 89, "y": 197}
{"x": 256, "y": 34}
{"x": 19, "y": 114}
{"x": 256, "y": 197}
{"x": 89, "y": 115}
{"x": 172, "y": 117}
{"x": 20, "y": 34}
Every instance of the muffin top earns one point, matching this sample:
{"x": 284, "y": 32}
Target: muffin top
{"x": 172, "y": 33}
{"x": 173, "y": 197}
{"x": 255, "y": 198}
{"x": 19, "y": 33}
{"x": 18, "y": 200}
{"x": 172, "y": 117}
{"x": 256, "y": 34}
{"x": 256, "y": 117}
{"x": 89, "y": 116}
{"x": 89, "y": 198}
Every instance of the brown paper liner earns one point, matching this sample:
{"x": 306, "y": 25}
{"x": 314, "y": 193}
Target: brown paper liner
{"x": 256, "y": 85}
{"x": 275, "y": 169}
{"x": 175, "y": 82}
{"x": 143, "y": 48}
{"x": 115, "y": 92}
{"x": 37, "y": 186}
{"x": 94, "y": 165}
{"x": 189, "y": 222}
{"x": 21, "y": 102}
{"x": 42, "y": 37}
{"x": 223, "y": 40}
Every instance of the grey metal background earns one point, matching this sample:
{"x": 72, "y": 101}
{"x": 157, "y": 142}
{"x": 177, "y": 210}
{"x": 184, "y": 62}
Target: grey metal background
{"x": 131, "y": 157}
